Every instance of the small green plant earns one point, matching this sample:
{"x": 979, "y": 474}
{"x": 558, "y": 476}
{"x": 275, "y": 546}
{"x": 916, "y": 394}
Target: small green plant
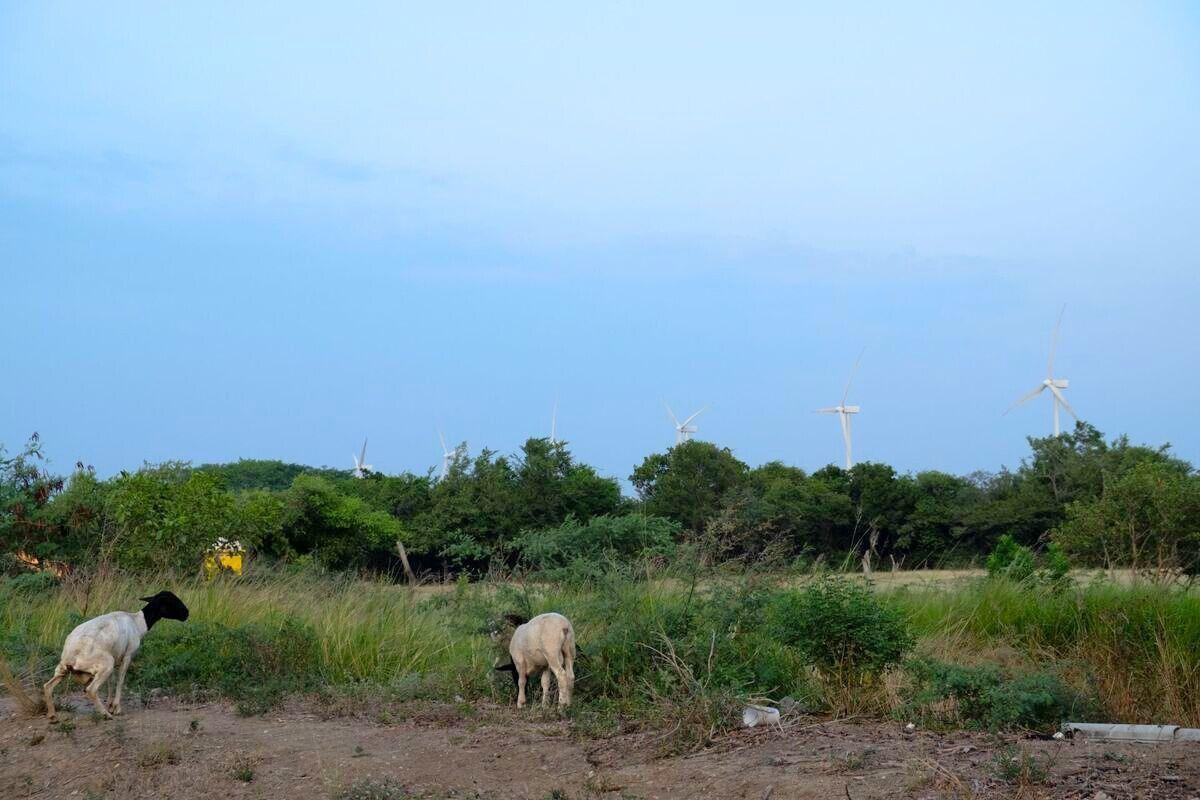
{"x": 1016, "y": 765}
{"x": 66, "y": 727}
{"x": 373, "y": 789}
{"x": 242, "y": 768}
{"x": 158, "y": 754}
{"x": 194, "y": 726}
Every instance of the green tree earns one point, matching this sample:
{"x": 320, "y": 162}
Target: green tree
{"x": 688, "y": 482}
{"x": 1148, "y": 519}
{"x": 339, "y": 530}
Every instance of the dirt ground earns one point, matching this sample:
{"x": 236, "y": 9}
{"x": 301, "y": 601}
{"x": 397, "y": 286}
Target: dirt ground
{"x": 171, "y": 749}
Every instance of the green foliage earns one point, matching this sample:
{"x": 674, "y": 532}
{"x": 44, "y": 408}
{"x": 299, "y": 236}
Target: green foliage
{"x": 600, "y": 539}
{"x": 268, "y": 475}
{"x": 688, "y": 482}
{"x": 255, "y": 665}
{"x": 1147, "y": 518}
{"x": 842, "y": 627}
{"x": 165, "y": 517}
{"x": 987, "y": 697}
{"x": 1010, "y": 560}
{"x": 338, "y": 530}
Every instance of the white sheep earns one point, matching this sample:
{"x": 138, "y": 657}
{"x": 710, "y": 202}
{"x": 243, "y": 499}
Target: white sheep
{"x": 106, "y": 642}
{"x": 543, "y": 644}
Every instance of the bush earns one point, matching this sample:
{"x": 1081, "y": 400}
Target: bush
{"x": 33, "y": 582}
{"x": 842, "y": 627}
{"x": 255, "y": 665}
{"x": 1010, "y": 560}
{"x": 600, "y": 539}
{"x": 986, "y": 697}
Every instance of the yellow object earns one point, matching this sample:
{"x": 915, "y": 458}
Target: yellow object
{"x": 218, "y": 562}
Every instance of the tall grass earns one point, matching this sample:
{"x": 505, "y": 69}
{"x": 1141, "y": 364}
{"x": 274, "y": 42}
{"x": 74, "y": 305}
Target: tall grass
{"x": 650, "y": 649}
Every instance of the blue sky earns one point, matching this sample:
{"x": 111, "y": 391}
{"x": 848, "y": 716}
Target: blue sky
{"x": 230, "y": 232}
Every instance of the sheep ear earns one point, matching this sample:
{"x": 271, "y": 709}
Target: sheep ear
{"x": 146, "y": 599}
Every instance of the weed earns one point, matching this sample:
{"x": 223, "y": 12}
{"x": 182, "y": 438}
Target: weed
{"x": 158, "y": 754}
{"x": 373, "y": 789}
{"x": 242, "y": 768}
{"x": 194, "y": 726}
{"x": 1016, "y": 765}
{"x": 66, "y": 727}
{"x": 855, "y": 760}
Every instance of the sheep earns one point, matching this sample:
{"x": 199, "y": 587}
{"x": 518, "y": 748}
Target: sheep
{"x": 543, "y": 644}
{"x": 106, "y": 642}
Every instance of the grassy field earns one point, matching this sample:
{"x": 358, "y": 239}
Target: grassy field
{"x": 679, "y": 653}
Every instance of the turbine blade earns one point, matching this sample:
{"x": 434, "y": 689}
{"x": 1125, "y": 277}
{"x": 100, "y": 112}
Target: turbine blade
{"x": 1026, "y": 398}
{"x": 846, "y": 393}
{"x": 443, "y": 439}
{"x": 1059, "y": 397}
{"x": 846, "y": 436}
{"x": 1054, "y": 342}
{"x": 693, "y": 416}
{"x": 674, "y": 419}
{"x": 830, "y": 410}
{"x": 363, "y": 457}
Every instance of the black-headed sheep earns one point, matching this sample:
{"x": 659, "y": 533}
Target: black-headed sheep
{"x": 544, "y": 644}
{"x": 96, "y": 647}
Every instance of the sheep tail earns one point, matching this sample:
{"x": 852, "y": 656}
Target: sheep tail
{"x": 28, "y": 704}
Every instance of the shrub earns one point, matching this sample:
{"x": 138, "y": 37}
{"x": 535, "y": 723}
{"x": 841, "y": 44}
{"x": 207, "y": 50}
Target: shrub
{"x": 842, "y": 627}
{"x": 1010, "y": 560}
{"x": 255, "y": 665}
{"x": 374, "y": 789}
{"x": 602, "y": 538}
{"x": 986, "y": 697}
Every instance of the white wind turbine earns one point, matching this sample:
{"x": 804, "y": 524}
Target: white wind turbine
{"x": 447, "y": 455}
{"x": 844, "y": 411}
{"x": 1055, "y": 385}
{"x": 361, "y": 467}
{"x": 683, "y": 430}
{"x": 554, "y": 423}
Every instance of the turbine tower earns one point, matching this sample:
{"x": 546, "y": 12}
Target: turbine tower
{"x": 683, "y": 430}
{"x": 447, "y": 455}
{"x": 554, "y": 423}
{"x": 844, "y": 411}
{"x": 1055, "y": 385}
{"x": 361, "y": 467}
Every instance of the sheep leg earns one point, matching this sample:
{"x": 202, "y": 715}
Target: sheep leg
{"x": 60, "y": 672}
{"x": 545, "y": 687}
{"x": 520, "y": 687}
{"x": 99, "y": 676}
{"x": 566, "y": 687}
{"x": 114, "y": 705}
{"x": 555, "y": 664}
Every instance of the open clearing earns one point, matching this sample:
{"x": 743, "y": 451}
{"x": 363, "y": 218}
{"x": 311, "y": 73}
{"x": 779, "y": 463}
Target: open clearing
{"x": 181, "y": 751}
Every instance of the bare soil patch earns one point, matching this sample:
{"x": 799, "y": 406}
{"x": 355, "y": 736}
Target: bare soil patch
{"x": 171, "y": 749}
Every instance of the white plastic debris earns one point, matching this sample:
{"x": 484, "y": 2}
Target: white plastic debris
{"x": 1132, "y": 733}
{"x": 910, "y": 727}
{"x": 1059, "y": 735}
{"x": 760, "y": 715}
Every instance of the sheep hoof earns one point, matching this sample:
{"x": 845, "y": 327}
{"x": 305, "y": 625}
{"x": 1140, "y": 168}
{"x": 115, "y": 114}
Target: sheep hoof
{"x": 114, "y": 710}
{"x": 53, "y": 719}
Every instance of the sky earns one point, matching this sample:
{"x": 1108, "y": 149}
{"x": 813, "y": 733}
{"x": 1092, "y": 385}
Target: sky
{"x": 271, "y": 231}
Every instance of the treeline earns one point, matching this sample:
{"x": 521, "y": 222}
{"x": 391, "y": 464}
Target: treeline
{"x": 1106, "y": 502}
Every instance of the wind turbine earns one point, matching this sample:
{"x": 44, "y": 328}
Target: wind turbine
{"x": 447, "y": 455}
{"x": 1055, "y": 385}
{"x": 554, "y": 423}
{"x": 361, "y": 468}
{"x": 844, "y": 411}
{"x": 683, "y": 430}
